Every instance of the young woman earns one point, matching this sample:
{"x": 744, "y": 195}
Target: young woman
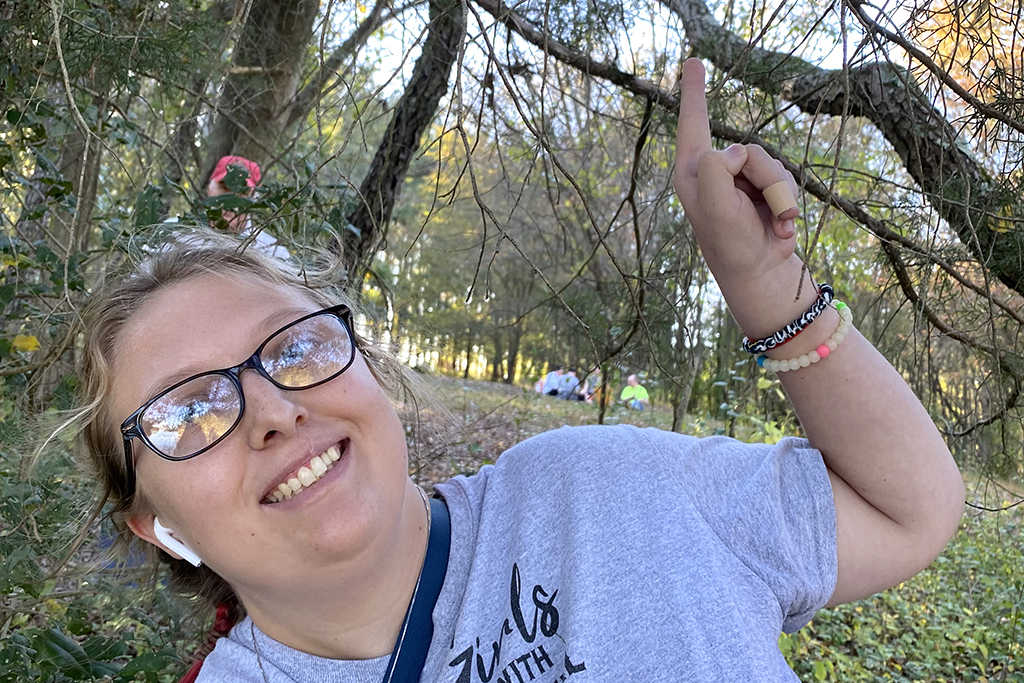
{"x": 239, "y": 422}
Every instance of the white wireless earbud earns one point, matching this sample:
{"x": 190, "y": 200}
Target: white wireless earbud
{"x": 171, "y": 543}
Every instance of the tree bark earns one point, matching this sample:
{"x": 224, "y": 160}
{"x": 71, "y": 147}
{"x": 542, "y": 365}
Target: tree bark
{"x": 496, "y": 358}
{"x": 414, "y": 113}
{"x": 256, "y": 101}
{"x": 180, "y": 152}
{"x": 685, "y": 388}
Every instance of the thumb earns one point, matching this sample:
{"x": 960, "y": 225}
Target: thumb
{"x": 716, "y": 179}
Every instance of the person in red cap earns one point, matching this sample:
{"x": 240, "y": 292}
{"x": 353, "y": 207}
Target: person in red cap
{"x": 237, "y": 223}
{"x": 240, "y": 224}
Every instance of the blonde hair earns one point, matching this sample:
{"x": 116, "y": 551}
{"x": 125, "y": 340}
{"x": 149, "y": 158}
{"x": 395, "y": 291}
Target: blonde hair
{"x": 194, "y": 254}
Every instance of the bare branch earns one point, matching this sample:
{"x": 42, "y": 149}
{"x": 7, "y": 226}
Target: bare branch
{"x": 940, "y": 73}
{"x": 959, "y": 188}
{"x": 310, "y": 94}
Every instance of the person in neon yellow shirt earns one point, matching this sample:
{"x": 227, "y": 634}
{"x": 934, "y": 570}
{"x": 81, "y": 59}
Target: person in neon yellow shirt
{"x": 634, "y": 395}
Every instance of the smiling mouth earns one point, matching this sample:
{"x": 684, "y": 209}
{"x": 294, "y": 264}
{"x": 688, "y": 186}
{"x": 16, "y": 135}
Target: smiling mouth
{"x": 307, "y": 475}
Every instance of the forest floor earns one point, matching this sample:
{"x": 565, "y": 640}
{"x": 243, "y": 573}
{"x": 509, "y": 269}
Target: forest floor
{"x": 457, "y": 426}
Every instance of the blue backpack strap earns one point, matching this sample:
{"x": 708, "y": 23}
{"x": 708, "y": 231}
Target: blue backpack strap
{"x": 410, "y": 653}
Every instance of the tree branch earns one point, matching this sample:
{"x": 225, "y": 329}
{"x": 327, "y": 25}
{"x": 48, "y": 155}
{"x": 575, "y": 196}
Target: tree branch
{"x": 316, "y": 87}
{"x": 959, "y": 188}
{"x": 413, "y": 114}
{"x": 644, "y": 88}
{"x": 937, "y": 71}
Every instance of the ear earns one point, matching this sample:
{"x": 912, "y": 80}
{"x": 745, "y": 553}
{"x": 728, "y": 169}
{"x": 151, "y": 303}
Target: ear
{"x": 147, "y": 527}
{"x": 142, "y": 526}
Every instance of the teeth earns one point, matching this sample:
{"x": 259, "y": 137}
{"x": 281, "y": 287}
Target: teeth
{"x": 317, "y": 466}
{"x": 306, "y": 476}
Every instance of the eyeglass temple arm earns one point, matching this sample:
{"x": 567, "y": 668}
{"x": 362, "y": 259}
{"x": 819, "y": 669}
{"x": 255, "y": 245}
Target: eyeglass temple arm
{"x": 129, "y": 464}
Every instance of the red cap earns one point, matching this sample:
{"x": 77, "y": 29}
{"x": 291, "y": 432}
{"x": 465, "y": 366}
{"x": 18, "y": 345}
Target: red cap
{"x": 222, "y": 169}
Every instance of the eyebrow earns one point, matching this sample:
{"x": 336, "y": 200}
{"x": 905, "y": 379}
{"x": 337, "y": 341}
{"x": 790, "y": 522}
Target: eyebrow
{"x": 272, "y": 322}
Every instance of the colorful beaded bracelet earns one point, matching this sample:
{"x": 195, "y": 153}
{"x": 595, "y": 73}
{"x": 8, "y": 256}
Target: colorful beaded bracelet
{"x": 845, "y": 323}
{"x": 825, "y": 295}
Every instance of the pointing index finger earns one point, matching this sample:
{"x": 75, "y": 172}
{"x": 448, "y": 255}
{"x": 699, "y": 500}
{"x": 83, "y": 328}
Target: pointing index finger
{"x": 693, "y": 134}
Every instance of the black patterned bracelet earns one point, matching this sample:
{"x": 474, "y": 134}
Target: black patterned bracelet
{"x": 825, "y": 295}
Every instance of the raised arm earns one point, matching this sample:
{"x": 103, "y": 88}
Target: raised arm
{"x": 898, "y": 494}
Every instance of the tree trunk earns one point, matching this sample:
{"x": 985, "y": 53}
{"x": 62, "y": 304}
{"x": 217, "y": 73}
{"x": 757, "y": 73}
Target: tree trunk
{"x": 685, "y": 390}
{"x": 80, "y": 165}
{"x": 496, "y": 358}
{"x": 180, "y": 153}
{"x": 414, "y": 113}
{"x": 515, "y": 336}
{"x": 256, "y": 101}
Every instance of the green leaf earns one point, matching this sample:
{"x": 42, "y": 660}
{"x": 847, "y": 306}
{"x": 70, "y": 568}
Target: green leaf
{"x": 147, "y": 206}
{"x": 35, "y": 213}
{"x": 150, "y": 664}
{"x": 63, "y": 654}
{"x": 236, "y": 179}
{"x": 820, "y": 672}
{"x": 101, "y": 652}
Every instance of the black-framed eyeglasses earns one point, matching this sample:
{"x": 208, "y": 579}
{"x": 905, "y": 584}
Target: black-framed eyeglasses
{"x": 194, "y": 415}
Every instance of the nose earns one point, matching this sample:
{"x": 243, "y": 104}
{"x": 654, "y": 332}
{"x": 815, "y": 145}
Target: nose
{"x": 271, "y": 413}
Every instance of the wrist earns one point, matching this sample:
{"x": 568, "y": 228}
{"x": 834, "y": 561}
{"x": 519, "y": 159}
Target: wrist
{"x": 816, "y": 334}
{"x": 765, "y": 304}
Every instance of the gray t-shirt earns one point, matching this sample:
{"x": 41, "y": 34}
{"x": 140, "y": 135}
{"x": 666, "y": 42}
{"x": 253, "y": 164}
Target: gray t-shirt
{"x": 611, "y": 554}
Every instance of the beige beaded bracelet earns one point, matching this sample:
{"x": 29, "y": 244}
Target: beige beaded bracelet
{"x": 845, "y": 323}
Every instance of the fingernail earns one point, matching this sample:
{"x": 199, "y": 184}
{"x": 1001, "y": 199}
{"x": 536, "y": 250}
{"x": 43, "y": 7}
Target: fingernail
{"x": 735, "y": 150}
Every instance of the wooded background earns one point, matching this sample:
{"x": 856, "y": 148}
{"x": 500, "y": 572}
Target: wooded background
{"x": 496, "y": 181}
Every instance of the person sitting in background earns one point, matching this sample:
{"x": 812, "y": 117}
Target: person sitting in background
{"x": 552, "y": 381}
{"x": 240, "y": 223}
{"x": 568, "y": 389}
{"x": 634, "y": 396}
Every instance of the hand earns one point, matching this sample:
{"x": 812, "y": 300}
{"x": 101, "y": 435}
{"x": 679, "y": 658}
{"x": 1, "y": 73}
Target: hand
{"x": 721, "y": 193}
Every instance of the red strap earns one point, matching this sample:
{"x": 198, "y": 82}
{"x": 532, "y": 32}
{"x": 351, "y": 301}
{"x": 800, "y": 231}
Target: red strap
{"x": 193, "y": 673}
{"x": 226, "y": 618}
{"x": 227, "y": 615}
